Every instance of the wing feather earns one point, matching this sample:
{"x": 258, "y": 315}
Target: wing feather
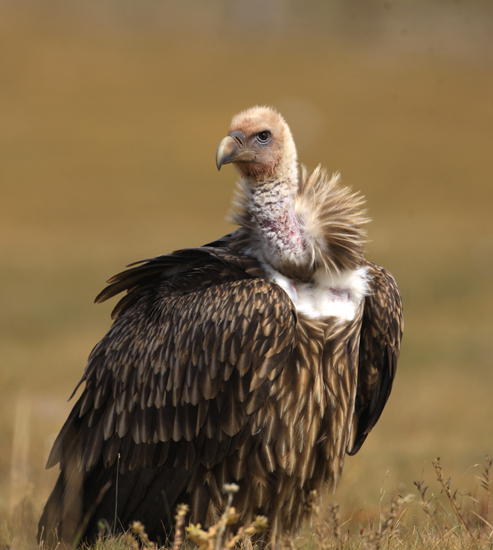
{"x": 380, "y": 343}
{"x": 186, "y": 363}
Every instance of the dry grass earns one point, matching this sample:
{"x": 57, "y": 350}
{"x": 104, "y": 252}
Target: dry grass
{"x": 438, "y": 517}
{"x": 110, "y": 119}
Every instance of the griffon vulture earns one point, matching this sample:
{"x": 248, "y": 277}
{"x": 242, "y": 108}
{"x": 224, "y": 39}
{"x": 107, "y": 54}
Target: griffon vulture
{"x": 262, "y": 358}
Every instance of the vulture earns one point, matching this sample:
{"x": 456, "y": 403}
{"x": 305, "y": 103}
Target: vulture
{"x": 260, "y": 359}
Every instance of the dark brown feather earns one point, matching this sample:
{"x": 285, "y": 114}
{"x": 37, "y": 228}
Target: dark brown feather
{"x": 381, "y": 334}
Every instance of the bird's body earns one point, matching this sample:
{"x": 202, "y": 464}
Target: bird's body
{"x": 260, "y": 359}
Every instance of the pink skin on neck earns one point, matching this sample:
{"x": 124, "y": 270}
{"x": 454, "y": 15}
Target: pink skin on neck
{"x": 280, "y": 227}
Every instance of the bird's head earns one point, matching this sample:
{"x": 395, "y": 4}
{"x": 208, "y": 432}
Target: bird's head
{"x": 260, "y": 145}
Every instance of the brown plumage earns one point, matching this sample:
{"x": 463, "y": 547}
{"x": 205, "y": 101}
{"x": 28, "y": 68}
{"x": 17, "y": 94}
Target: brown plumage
{"x": 261, "y": 359}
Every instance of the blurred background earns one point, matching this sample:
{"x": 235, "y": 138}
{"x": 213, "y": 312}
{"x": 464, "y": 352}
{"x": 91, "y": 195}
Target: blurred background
{"x": 110, "y": 115}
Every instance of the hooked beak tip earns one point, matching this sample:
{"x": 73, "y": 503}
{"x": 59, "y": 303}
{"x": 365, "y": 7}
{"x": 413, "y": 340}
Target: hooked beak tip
{"x": 226, "y": 151}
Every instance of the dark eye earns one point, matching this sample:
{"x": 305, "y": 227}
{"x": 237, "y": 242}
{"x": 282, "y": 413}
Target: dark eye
{"x": 263, "y": 137}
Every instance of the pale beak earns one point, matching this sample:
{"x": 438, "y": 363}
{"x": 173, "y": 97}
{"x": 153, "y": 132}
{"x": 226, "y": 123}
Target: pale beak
{"x": 232, "y": 149}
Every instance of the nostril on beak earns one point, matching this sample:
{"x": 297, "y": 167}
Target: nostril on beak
{"x": 239, "y": 137}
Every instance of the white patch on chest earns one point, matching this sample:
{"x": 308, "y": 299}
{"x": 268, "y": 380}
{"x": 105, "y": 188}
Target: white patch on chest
{"x": 327, "y": 296}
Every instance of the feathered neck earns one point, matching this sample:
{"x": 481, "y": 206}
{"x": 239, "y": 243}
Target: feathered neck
{"x": 299, "y": 227}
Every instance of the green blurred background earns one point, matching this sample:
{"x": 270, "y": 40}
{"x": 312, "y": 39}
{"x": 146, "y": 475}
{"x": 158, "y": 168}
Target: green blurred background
{"x": 110, "y": 115}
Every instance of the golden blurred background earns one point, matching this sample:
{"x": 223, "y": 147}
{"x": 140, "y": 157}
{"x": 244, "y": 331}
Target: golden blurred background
{"x": 110, "y": 115}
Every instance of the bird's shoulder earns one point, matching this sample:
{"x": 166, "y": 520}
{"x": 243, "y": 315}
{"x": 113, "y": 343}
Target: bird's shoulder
{"x": 383, "y": 305}
{"x": 182, "y": 272}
